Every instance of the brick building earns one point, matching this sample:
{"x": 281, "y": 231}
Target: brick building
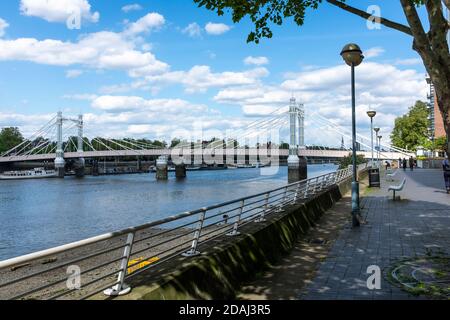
{"x": 436, "y": 128}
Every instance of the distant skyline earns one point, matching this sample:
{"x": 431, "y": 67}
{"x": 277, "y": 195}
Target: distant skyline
{"x": 148, "y": 68}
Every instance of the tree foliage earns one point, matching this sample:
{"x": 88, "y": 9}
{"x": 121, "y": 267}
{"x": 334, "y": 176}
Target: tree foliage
{"x": 9, "y": 138}
{"x": 348, "y": 160}
{"x": 411, "y": 129}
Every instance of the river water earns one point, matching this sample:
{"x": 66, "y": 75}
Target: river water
{"x": 40, "y": 214}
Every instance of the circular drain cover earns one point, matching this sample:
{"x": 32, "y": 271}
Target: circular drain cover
{"x": 429, "y": 276}
{"x": 318, "y": 241}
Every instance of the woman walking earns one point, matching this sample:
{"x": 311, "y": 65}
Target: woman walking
{"x": 404, "y": 164}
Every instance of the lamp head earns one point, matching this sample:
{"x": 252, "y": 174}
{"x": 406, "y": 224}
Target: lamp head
{"x": 371, "y": 114}
{"x": 376, "y": 130}
{"x": 352, "y": 54}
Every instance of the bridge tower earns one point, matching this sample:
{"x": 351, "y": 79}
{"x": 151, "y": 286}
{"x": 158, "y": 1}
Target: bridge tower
{"x": 59, "y": 160}
{"x": 297, "y": 167}
{"x": 301, "y": 126}
{"x": 80, "y": 164}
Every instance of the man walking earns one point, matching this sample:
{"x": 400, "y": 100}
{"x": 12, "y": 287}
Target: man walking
{"x": 446, "y": 168}
{"x": 411, "y": 163}
{"x": 404, "y": 164}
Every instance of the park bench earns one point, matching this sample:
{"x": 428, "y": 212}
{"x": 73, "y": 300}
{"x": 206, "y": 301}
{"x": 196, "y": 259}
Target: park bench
{"x": 390, "y": 175}
{"x": 397, "y": 188}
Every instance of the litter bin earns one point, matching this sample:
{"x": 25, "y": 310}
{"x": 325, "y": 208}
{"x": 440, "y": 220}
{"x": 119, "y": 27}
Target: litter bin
{"x": 374, "y": 177}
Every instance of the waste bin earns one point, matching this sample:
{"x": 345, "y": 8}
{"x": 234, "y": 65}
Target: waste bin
{"x": 374, "y": 177}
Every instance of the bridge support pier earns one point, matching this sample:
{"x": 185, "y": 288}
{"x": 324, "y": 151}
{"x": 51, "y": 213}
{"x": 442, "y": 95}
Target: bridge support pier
{"x": 59, "y": 161}
{"x": 297, "y": 169}
{"x": 80, "y": 164}
{"x": 162, "y": 168}
{"x": 180, "y": 171}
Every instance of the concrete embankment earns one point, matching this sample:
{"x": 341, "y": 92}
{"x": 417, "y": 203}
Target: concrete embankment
{"x": 225, "y": 263}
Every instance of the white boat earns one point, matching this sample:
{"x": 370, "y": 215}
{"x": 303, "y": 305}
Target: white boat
{"x": 35, "y": 173}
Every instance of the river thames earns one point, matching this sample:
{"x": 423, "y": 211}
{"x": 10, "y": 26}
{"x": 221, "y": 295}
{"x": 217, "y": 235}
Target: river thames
{"x": 40, "y": 214}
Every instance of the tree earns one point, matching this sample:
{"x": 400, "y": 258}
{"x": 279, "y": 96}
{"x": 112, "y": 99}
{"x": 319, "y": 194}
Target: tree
{"x": 411, "y": 129}
{"x": 348, "y": 161}
{"x": 431, "y": 45}
{"x": 9, "y": 138}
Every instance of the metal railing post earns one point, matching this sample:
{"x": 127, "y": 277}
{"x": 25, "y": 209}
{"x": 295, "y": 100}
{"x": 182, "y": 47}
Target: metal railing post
{"x": 235, "y": 231}
{"x": 193, "y": 251}
{"x": 121, "y": 288}
{"x": 305, "y": 195}
{"x": 266, "y": 208}
{"x": 297, "y": 190}
{"x": 283, "y": 200}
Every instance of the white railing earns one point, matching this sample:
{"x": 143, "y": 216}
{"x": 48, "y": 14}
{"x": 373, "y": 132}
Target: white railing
{"x": 85, "y": 268}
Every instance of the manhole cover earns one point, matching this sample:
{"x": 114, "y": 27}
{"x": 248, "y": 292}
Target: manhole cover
{"x": 429, "y": 276}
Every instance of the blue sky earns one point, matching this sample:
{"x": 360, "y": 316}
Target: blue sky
{"x": 158, "y": 68}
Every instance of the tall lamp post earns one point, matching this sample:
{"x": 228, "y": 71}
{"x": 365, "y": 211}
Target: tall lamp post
{"x": 376, "y": 137}
{"x": 379, "y": 149}
{"x": 371, "y": 115}
{"x": 353, "y": 57}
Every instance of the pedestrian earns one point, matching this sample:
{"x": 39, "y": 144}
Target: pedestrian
{"x": 446, "y": 168}
{"x": 387, "y": 164}
{"x": 399, "y": 163}
{"x": 411, "y": 163}
{"x": 404, "y": 164}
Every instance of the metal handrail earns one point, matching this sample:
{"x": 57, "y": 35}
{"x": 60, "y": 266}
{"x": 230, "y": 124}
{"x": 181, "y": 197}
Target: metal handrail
{"x": 253, "y": 208}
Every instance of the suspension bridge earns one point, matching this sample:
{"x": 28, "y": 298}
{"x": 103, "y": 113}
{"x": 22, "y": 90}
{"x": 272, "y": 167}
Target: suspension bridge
{"x": 56, "y": 141}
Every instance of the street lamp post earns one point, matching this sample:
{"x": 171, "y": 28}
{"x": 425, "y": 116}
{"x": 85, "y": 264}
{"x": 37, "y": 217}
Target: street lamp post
{"x": 378, "y": 147}
{"x": 353, "y": 57}
{"x": 371, "y": 115}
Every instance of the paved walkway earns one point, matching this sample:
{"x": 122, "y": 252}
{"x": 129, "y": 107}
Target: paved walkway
{"x": 414, "y": 226}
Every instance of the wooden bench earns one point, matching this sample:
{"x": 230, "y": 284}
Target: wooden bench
{"x": 397, "y": 188}
{"x": 390, "y": 175}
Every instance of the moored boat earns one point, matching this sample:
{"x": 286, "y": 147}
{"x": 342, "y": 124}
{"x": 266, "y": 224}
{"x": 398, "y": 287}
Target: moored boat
{"x": 35, "y": 173}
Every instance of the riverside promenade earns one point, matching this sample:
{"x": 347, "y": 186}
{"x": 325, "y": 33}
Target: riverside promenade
{"x": 397, "y": 234}
{"x": 407, "y": 239}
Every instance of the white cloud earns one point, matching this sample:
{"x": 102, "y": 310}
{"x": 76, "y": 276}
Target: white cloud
{"x": 131, "y": 103}
{"x": 58, "y": 10}
{"x": 131, "y": 7}
{"x": 216, "y": 28}
{"x": 373, "y": 52}
{"x": 257, "y": 61}
{"x": 193, "y": 30}
{"x": 74, "y": 73}
{"x": 201, "y": 78}
{"x": 150, "y": 22}
{"x": 3, "y": 26}
{"x": 408, "y": 62}
{"x": 93, "y": 50}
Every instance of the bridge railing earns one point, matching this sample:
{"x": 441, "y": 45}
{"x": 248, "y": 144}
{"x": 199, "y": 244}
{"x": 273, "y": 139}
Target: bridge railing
{"x": 103, "y": 263}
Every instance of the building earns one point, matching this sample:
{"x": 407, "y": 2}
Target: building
{"x": 436, "y": 128}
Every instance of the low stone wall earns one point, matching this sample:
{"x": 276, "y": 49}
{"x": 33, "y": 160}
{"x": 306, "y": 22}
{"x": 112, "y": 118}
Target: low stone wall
{"x": 227, "y": 262}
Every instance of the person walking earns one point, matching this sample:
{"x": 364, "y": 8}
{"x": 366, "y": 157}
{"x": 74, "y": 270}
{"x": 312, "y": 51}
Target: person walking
{"x": 399, "y": 163}
{"x": 404, "y": 164}
{"x": 411, "y": 163}
{"x": 446, "y": 168}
